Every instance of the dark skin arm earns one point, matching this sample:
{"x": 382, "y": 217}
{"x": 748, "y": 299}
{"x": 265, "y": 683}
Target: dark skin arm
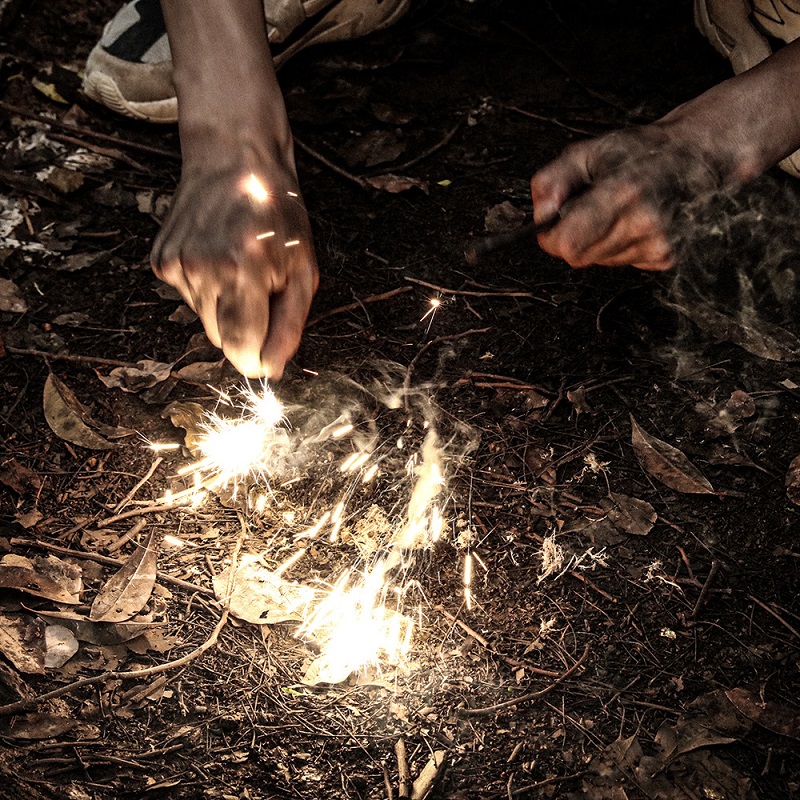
{"x": 224, "y": 244}
{"x": 728, "y": 135}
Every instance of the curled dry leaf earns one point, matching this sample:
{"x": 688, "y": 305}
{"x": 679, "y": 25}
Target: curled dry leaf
{"x": 47, "y": 577}
{"x": 144, "y": 375}
{"x": 189, "y": 416}
{"x": 394, "y": 184}
{"x": 100, "y": 633}
{"x": 37, "y": 726}
{"x": 203, "y": 372}
{"x": 793, "y": 481}
{"x": 127, "y": 591}
{"x": 667, "y": 464}
{"x": 68, "y": 418}
{"x": 773, "y": 716}
{"x": 22, "y": 480}
{"x": 630, "y": 514}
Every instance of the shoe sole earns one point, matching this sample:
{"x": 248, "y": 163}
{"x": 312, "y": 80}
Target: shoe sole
{"x": 343, "y": 21}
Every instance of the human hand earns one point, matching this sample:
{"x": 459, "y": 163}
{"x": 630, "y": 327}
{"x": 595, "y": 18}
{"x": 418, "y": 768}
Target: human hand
{"x": 622, "y": 191}
{"x": 243, "y": 260}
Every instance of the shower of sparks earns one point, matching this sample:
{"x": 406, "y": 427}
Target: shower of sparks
{"x": 256, "y": 189}
{"x": 363, "y": 619}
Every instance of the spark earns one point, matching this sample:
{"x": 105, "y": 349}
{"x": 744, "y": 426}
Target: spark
{"x": 292, "y": 194}
{"x": 468, "y": 581}
{"x": 158, "y": 447}
{"x": 435, "y": 305}
{"x": 291, "y": 243}
{"x": 256, "y": 189}
{"x": 341, "y": 431}
{"x": 265, "y": 235}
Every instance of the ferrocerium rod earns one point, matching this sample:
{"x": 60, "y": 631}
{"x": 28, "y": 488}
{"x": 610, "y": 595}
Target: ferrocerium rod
{"x": 476, "y": 249}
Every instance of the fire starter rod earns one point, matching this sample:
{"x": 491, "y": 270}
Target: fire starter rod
{"x": 476, "y": 249}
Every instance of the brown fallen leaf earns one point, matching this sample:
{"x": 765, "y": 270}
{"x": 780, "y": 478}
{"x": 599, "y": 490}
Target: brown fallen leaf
{"x": 68, "y": 420}
{"x": 774, "y": 717}
{"x": 793, "y": 481}
{"x": 504, "y": 217}
{"x": 755, "y": 335}
{"x": 22, "y": 480}
{"x": 11, "y": 298}
{"x": 47, "y": 577}
{"x": 394, "y": 184}
{"x": 204, "y": 372}
{"x": 189, "y": 416}
{"x": 129, "y": 589}
{"x": 667, "y": 464}
{"x": 144, "y": 375}
{"x": 630, "y": 514}
{"x": 100, "y": 633}
{"x": 22, "y": 642}
{"x": 37, "y": 726}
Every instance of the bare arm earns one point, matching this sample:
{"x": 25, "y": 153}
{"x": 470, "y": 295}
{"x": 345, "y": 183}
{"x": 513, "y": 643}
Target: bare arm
{"x": 223, "y": 245}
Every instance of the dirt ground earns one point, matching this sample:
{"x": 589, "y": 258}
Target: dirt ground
{"x": 639, "y": 426}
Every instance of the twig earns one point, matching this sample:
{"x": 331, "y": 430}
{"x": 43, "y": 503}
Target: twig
{"x": 512, "y": 662}
{"x": 548, "y": 782}
{"x": 448, "y": 137}
{"x": 551, "y": 120}
{"x": 712, "y": 573}
{"x": 101, "y": 137}
{"x": 138, "y": 512}
{"x": 475, "y": 712}
{"x": 774, "y": 614}
{"x": 592, "y": 585}
{"x": 387, "y": 782}
{"x": 24, "y": 705}
{"x": 108, "y": 362}
{"x": 149, "y": 474}
{"x": 126, "y": 537}
{"x": 373, "y": 298}
{"x": 403, "y": 773}
{"x": 330, "y": 165}
{"x": 438, "y": 340}
{"x": 108, "y": 561}
{"x": 472, "y": 293}
{"x": 108, "y": 152}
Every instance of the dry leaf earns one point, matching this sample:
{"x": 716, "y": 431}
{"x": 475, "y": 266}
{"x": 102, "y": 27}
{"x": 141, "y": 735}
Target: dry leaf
{"x": 630, "y": 514}
{"x": 22, "y": 480}
{"x": 10, "y": 298}
{"x": 47, "y": 577}
{"x": 37, "y": 726}
{"x": 259, "y": 595}
{"x": 504, "y": 217}
{"x": 793, "y": 481}
{"x": 772, "y": 716}
{"x": 667, "y": 464}
{"x": 204, "y": 372}
{"x": 22, "y": 642}
{"x": 144, "y": 375}
{"x": 59, "y": 646}
{"x": 68, "y": 421}
{"x": 394, "y": 184}
{"x": 100, "y": 633}
{"x": 189, "y": 416}
{"x": 758, "y": 337}
{"x": 127, "y": 591}
{"x": 30, "y": 519}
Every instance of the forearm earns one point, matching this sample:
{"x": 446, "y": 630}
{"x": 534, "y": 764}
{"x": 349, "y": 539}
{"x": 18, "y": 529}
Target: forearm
{"x": 749, "y": 122}
{"x": 228, "y": 95}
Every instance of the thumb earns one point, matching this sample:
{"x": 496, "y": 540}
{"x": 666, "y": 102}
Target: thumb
{"x": 563, "y": 177}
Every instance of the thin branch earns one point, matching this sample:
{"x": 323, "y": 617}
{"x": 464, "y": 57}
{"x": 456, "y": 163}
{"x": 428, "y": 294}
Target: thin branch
{"x": 448, "y": 137}
{"x": 24, "y": 705}
{"x": 149, "y": 474}
{"x": 374, "y": 298}
{"x": 106, "y": 362}
{"x": 475, "y": 712}
{"x": 471, "y": 293}
{"x": 330, "y": 165}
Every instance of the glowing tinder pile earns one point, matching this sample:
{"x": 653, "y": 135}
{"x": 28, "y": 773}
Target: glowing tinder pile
{"x": 320, "y": 478}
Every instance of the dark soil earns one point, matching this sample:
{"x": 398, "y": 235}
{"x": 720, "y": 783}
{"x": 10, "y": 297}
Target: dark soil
{"x": 548, "y": 378}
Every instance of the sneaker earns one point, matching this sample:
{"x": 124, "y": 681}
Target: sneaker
{"x": 130, "y": 69}
{"x": 740, "y": 30}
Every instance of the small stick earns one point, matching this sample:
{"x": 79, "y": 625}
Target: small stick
{"x": 126, "y": 537}
{"x": 149, "y": 474}
{"x": 138, "y": 512}
{"x": 476, "y": 249}
{"x": 387, "y": 782}
{"x": 374, "y": 298}
{"x": 774, "y": 614}
{"x": 403, "y": 773}
{"x": 592, "y": 585}
{"x": 330, "y": 165}
{"x": 547, "y": 782}
{"x": 446, "y": 139}
{"x": 473, "y": 293}
{"x": 24, "y": 705}
{"x": 108, "y": 152}
{"x": 701, "y": 600}
{"x": 475, "y": 712}
{"x": 107, "y": 362}
{"x": 108, "y": 561}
